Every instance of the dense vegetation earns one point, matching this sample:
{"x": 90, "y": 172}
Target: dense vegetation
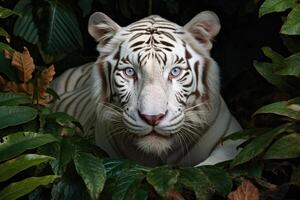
{"x": 42, "y": 157}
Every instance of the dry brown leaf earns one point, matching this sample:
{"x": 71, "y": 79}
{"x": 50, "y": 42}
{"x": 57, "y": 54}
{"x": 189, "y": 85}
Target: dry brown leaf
{"x": 246, "y": 191}
{"x": 23, "y": 62}
{"x": 174, "y": 195}
{"x": 45, "y": 79}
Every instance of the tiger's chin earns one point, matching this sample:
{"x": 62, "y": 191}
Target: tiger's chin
{"x": 154, "y": 144}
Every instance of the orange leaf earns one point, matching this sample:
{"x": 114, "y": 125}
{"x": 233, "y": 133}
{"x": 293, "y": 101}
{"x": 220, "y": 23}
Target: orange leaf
{"x": 23, "y": 62}
{"x": 246, "y": 191}
{"x": 45, "y": 79}
{"x": 27, "y": 88}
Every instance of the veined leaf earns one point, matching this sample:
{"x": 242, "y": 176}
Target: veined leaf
{"x": 17, "y": 143}
{"x": 24, "y": 64}
{"x": 292, "y": 66}
{"x": 219, "y": 178}
{"x": 280, "y": 108}
{"x": 162, "y": 179}
{"x": 126, "y": 179}
{"x": 273, "y": 55}
{"x": 292, "y": 26}
{"x": 267, "y": 70}
{"x": 25, "y": 27}
{"x": 246, "y": 134}
{"x": 69, "y": 188}
{"x": 258, "y": 145}
{"x": 194, "y": 179}
{"x": 16, "y": 115}
{"x": 245, "y": 191}
{"x": 285, "y": 148}
{"x": 92, "y": 171}
{"x": 21, "y": 188}
{"x": 64, "y": 119}
{"x": 270, "y": 6}
{"x": 3, "y": 32}
{"x": 16, "y": 165}
{"x": 5, "y": 12}
{"x": 139, "y": 194}
{"x": 62, "y": 34}
{"x": 4, "y": 46}
{"x": 13, "y": 99}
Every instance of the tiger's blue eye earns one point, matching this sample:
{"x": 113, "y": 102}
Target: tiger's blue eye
{"x": 129, "y": 72}
{"x": 176, "y": 71}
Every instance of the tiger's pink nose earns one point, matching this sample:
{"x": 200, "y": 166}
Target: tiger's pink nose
{"x": 152, "y": 119}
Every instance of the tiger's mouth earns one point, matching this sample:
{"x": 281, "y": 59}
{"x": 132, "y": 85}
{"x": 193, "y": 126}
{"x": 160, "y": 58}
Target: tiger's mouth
{"x": 157, "y": 135}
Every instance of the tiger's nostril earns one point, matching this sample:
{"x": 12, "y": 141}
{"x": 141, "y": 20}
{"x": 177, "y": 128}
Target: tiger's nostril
{"x": 152, "y": 119}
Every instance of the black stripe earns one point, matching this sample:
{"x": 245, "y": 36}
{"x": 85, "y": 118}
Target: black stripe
{"x": 68, "y": 78}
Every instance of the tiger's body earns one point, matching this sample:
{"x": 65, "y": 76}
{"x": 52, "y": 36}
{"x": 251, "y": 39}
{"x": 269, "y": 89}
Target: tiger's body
{"x": 153, "y": 93}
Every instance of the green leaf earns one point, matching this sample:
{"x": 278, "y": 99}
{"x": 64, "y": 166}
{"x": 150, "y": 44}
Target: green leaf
{"x": 5, "y": 12}
{"x": 61, "y": 35}
{"x": 25, "y": 27}
{"x": 69, "y": 188}
{"x": 4, "y": 46}
{"x": 14, "y": 166}
{"x": 64, "y": 156}
{"x": 92, "y": 171}
{"x": 246, "y": 134}
{"x": 270, "y": 6}
{"x": 273, "y": 55}
{"x": 280, "y": 108}
{"x": 250, "y": 169}
{"x": 284, "y": 148}
{"x": 162, "y": 179}
{"x": 219, "y": 179}
{"x": 17, "y": 143}
{"x": 292, "y": 66}
{"x": 64, "y": 119}
{"x": 292, "y": 26}
{"x": 53, "y": 94}
{"x": 258, "y": 145}
{"x": 16, "y": 115}
{"x": 86, "y": 6}
{"x": 13, "y": 99}
{"x": 194, "y": 179}
{"x": 125, "y": 180}
{"x": 294, "y": 104}
{"x": 267, "y": 71}
{"x": 139, "y": 194}
{"x": 3, "y": 32}
{"x": 21, "y": 188}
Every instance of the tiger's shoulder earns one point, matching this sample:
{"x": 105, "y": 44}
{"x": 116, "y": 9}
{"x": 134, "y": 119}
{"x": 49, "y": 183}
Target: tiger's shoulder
{"x": 73, "y": 78}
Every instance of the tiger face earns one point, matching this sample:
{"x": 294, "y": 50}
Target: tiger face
{"x": 155, "y": 80}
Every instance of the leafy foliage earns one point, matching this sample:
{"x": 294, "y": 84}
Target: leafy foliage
{"x": 40, "y": 148}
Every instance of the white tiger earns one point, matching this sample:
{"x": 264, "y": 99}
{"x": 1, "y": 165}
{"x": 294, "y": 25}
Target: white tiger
{"x": 153, "y": 93}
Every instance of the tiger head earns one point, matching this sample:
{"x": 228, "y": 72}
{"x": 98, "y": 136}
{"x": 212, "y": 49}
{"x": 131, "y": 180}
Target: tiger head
{"x": 155, "y": 81}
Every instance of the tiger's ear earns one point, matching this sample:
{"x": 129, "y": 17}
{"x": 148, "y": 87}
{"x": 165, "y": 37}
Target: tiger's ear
{"x": 102, "y": 28}
{"x": 204, "y": 27}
